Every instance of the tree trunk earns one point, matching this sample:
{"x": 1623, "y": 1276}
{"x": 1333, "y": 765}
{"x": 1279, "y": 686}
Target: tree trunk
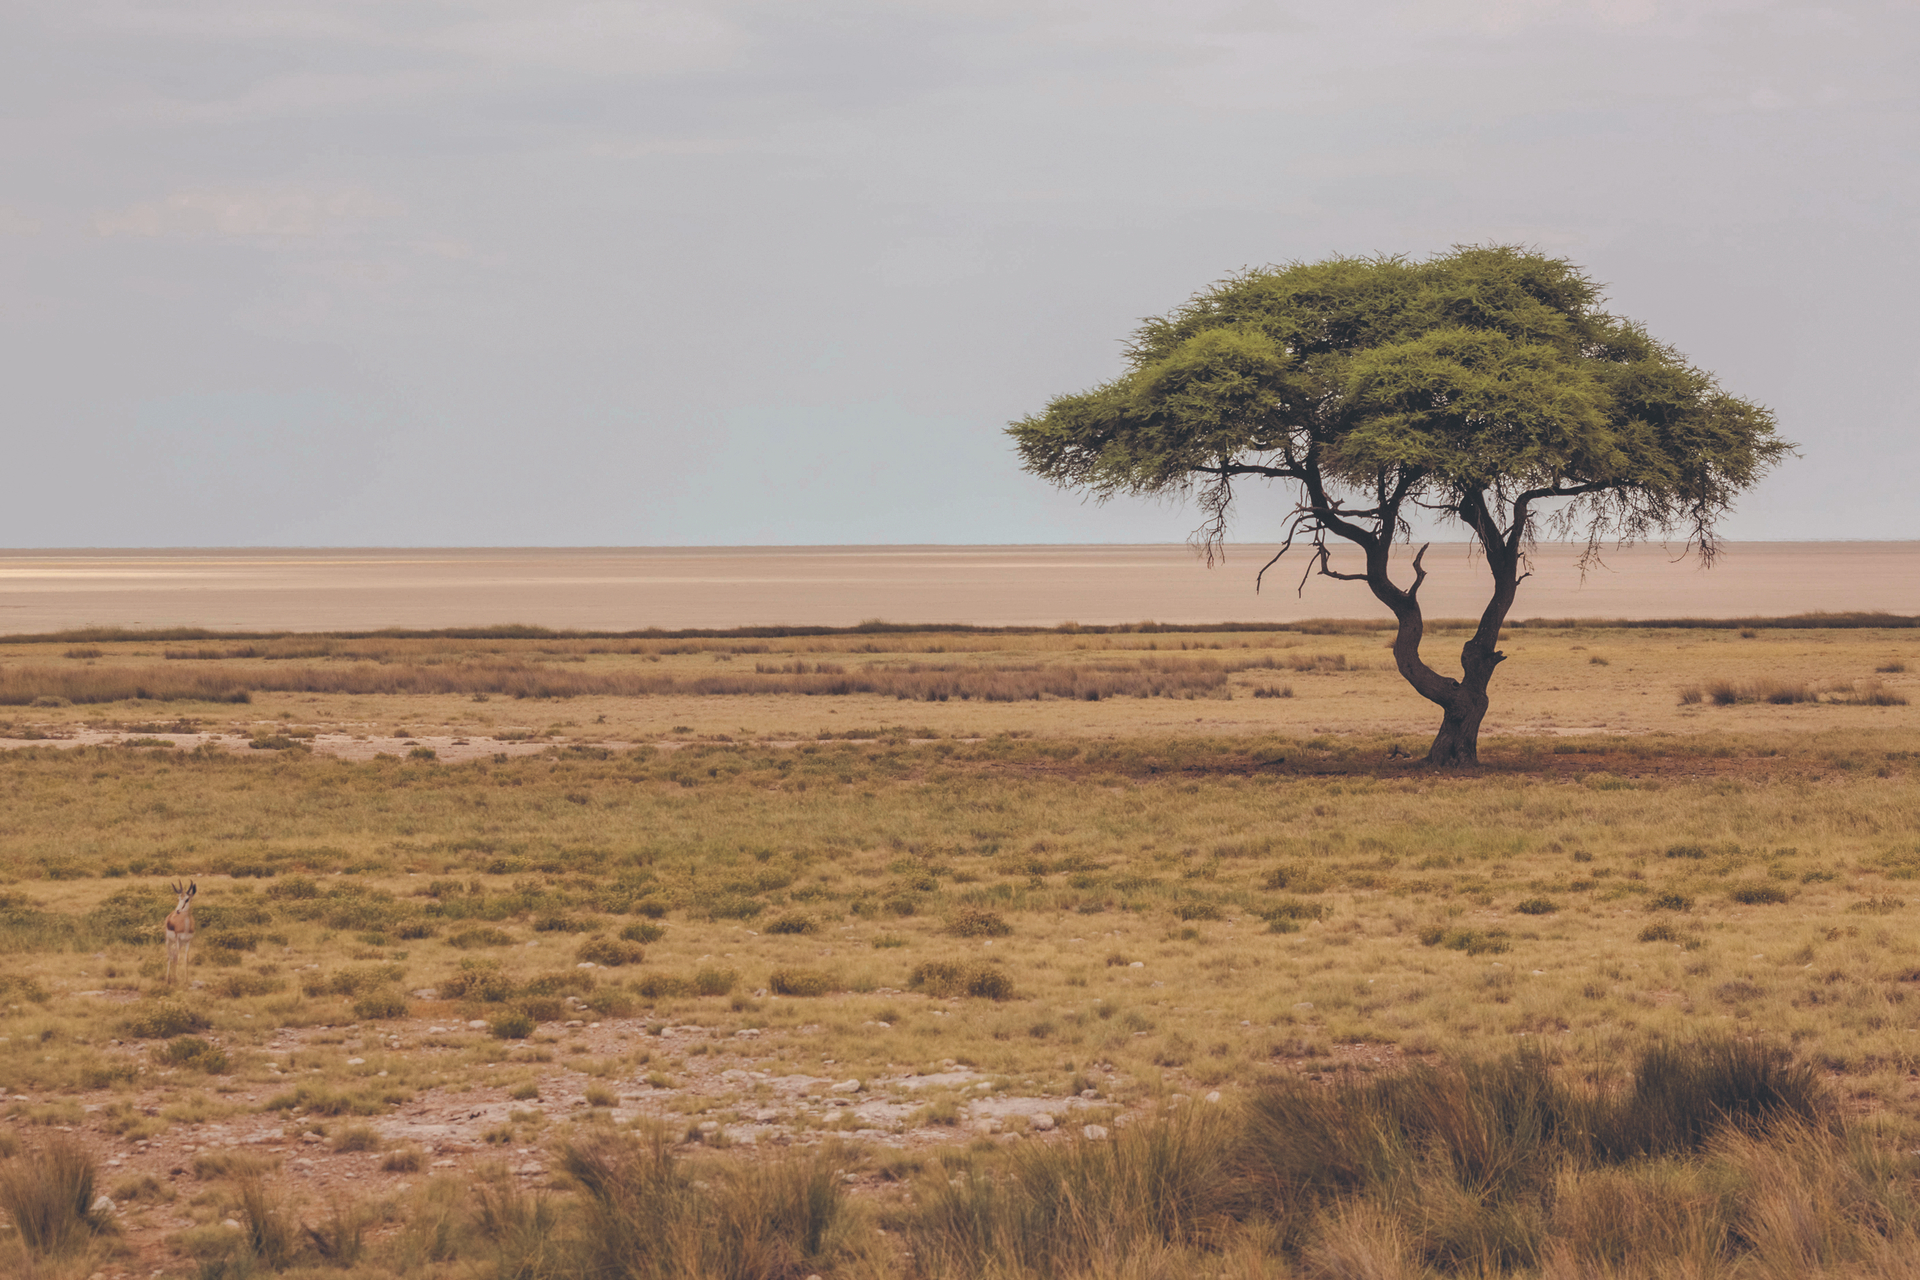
{"x": 1462, "y": 702}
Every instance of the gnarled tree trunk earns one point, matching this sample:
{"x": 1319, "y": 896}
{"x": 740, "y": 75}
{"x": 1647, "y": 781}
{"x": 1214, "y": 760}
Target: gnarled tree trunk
{"x": 1462, "y": 702}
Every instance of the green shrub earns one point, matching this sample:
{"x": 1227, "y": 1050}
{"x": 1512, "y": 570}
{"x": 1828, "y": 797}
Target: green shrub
{"x": 642, "y": 931}
{"x": 378, "y": 1005}
{"x": 15, "y": 987}
{"x": 1198, "y": 909}
{"x": 1537, "y": 907}
{"x": 541, "y": 1008}
{"x": 957, "y": 978}
{"x": 485, "y": 936}
{"x": 163, "y": 1020}
{"x": 1758, "y": 895}
{"x": 793, "y": 924}
{"x": 611, "y": 952}
{"x": 322, "y": 1100}
{"x": 799, "y": 982}
{"x": 1475, "y": 942}
{"x": 1293, "y": 909}
{"x": 711, "y": 981}
{"x": 192, "y": 1051}
{"x": 976, "y": 922}
{"x": 357, "y": 1137}
{"x": 1660, "y": 932}
{"x": 1670, "y": 902}
{"x": 660, "y": 986}
{"x": 511, "y": 1024}
{"x": 478, "y": 979}
{"x": 294, "y": 888}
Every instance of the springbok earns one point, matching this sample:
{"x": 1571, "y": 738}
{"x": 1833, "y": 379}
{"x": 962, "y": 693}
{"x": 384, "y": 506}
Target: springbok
{"x": 180, "y": 929}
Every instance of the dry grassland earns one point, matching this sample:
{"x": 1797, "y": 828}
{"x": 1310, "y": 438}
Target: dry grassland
{"x": 884, "y": 955}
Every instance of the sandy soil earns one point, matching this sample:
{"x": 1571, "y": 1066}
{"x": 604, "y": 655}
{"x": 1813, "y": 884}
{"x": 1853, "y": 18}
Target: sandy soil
{"x": 451, "y": 1127}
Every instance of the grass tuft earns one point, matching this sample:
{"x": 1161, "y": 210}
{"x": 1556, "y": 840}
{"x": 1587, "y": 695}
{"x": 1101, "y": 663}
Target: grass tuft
{"x": 48, "y": 1193}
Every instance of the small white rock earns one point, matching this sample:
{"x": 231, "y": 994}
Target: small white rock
{"x": 356, "y": 1062}
{"x": 1094, "y": 1133}
{"x": 478, "y": 1024}
{"x": 845, "y": 1086}
{"x": 1042, "y": 1122}
{"x": 1214, "y": 1096}
{"x": 104, "y": 1205}
{"x": 1138, "y": 964}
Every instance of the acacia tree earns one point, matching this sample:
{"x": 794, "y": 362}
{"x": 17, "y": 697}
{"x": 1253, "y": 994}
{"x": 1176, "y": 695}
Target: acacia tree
{"x": 1484, "y": 386}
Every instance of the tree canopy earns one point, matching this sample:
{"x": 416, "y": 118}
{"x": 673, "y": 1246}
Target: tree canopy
{"x": 1477, "y": 386}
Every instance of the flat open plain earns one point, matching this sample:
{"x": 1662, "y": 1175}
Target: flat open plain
{"x": 620, "y": 589}
{"x": 879, "y": 922}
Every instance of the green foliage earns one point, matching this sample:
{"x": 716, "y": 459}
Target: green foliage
{"x": 192, "y": 1051}
{"x": 1480, "y": 369}
{"x": 800, "y": 982}
{"x": 385, "y": 1002}
{"x": 511, "y": 1024}
{"x": 478, "y": 979}
{"x": 165, "y": 1019}
{"x": 611, "y": 952}
{"x": 976, "y": 922}
{"x": 961, "y": 978}
{"x": 485, "y": 936}
{"x": 1475, "y": 942}
{"x": 1474, "y": 385}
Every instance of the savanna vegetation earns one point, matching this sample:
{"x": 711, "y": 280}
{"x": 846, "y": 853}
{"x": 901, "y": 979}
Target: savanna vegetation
{"x": 1180, "y": 980}
{"x": 1484, "y": 385}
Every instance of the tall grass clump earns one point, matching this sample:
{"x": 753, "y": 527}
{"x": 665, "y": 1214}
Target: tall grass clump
{"x": 1083, "y": 1205}
{"x": 1715, "y": 1158}
{"x": 645, "y": 1216}
{"x": 48, "y": 1192}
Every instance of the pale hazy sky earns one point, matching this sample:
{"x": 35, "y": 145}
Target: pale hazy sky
{"x": 506, "y": 272}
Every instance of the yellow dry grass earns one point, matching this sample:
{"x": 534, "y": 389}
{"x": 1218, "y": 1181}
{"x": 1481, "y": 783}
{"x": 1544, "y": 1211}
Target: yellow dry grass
{"x": 1197, "y": 891}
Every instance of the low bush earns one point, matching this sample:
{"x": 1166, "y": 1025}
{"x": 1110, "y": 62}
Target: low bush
{"x": 541, "y": 1009}
{"x": 611, "y": 952}
{"x": 378, "y": 1005}
{"x": 800, "y": 982}
{"x": 977, "y": 922}
{"x": 163, "y": 1020}
{"x": 192, "y": 1051}
{"x": 793, "y": 924}
{"x": 511, "y": 1024}
{"x": 478, "y": 979}
{"x": 485, "y": 936}
{"x": 643, "y": 931}
{"x": 357, "y": 1137}
{"x": 1536, "y": 907}
{"x": 1475, "y": 942}
{"x": 1670, "y": 901}
{"x": 1759, "y": 895}
{"x": 958, "y": 978}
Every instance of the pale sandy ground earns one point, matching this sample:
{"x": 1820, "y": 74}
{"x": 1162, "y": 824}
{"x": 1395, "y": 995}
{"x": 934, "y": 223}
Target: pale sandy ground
{"x": 633, "y": 588}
